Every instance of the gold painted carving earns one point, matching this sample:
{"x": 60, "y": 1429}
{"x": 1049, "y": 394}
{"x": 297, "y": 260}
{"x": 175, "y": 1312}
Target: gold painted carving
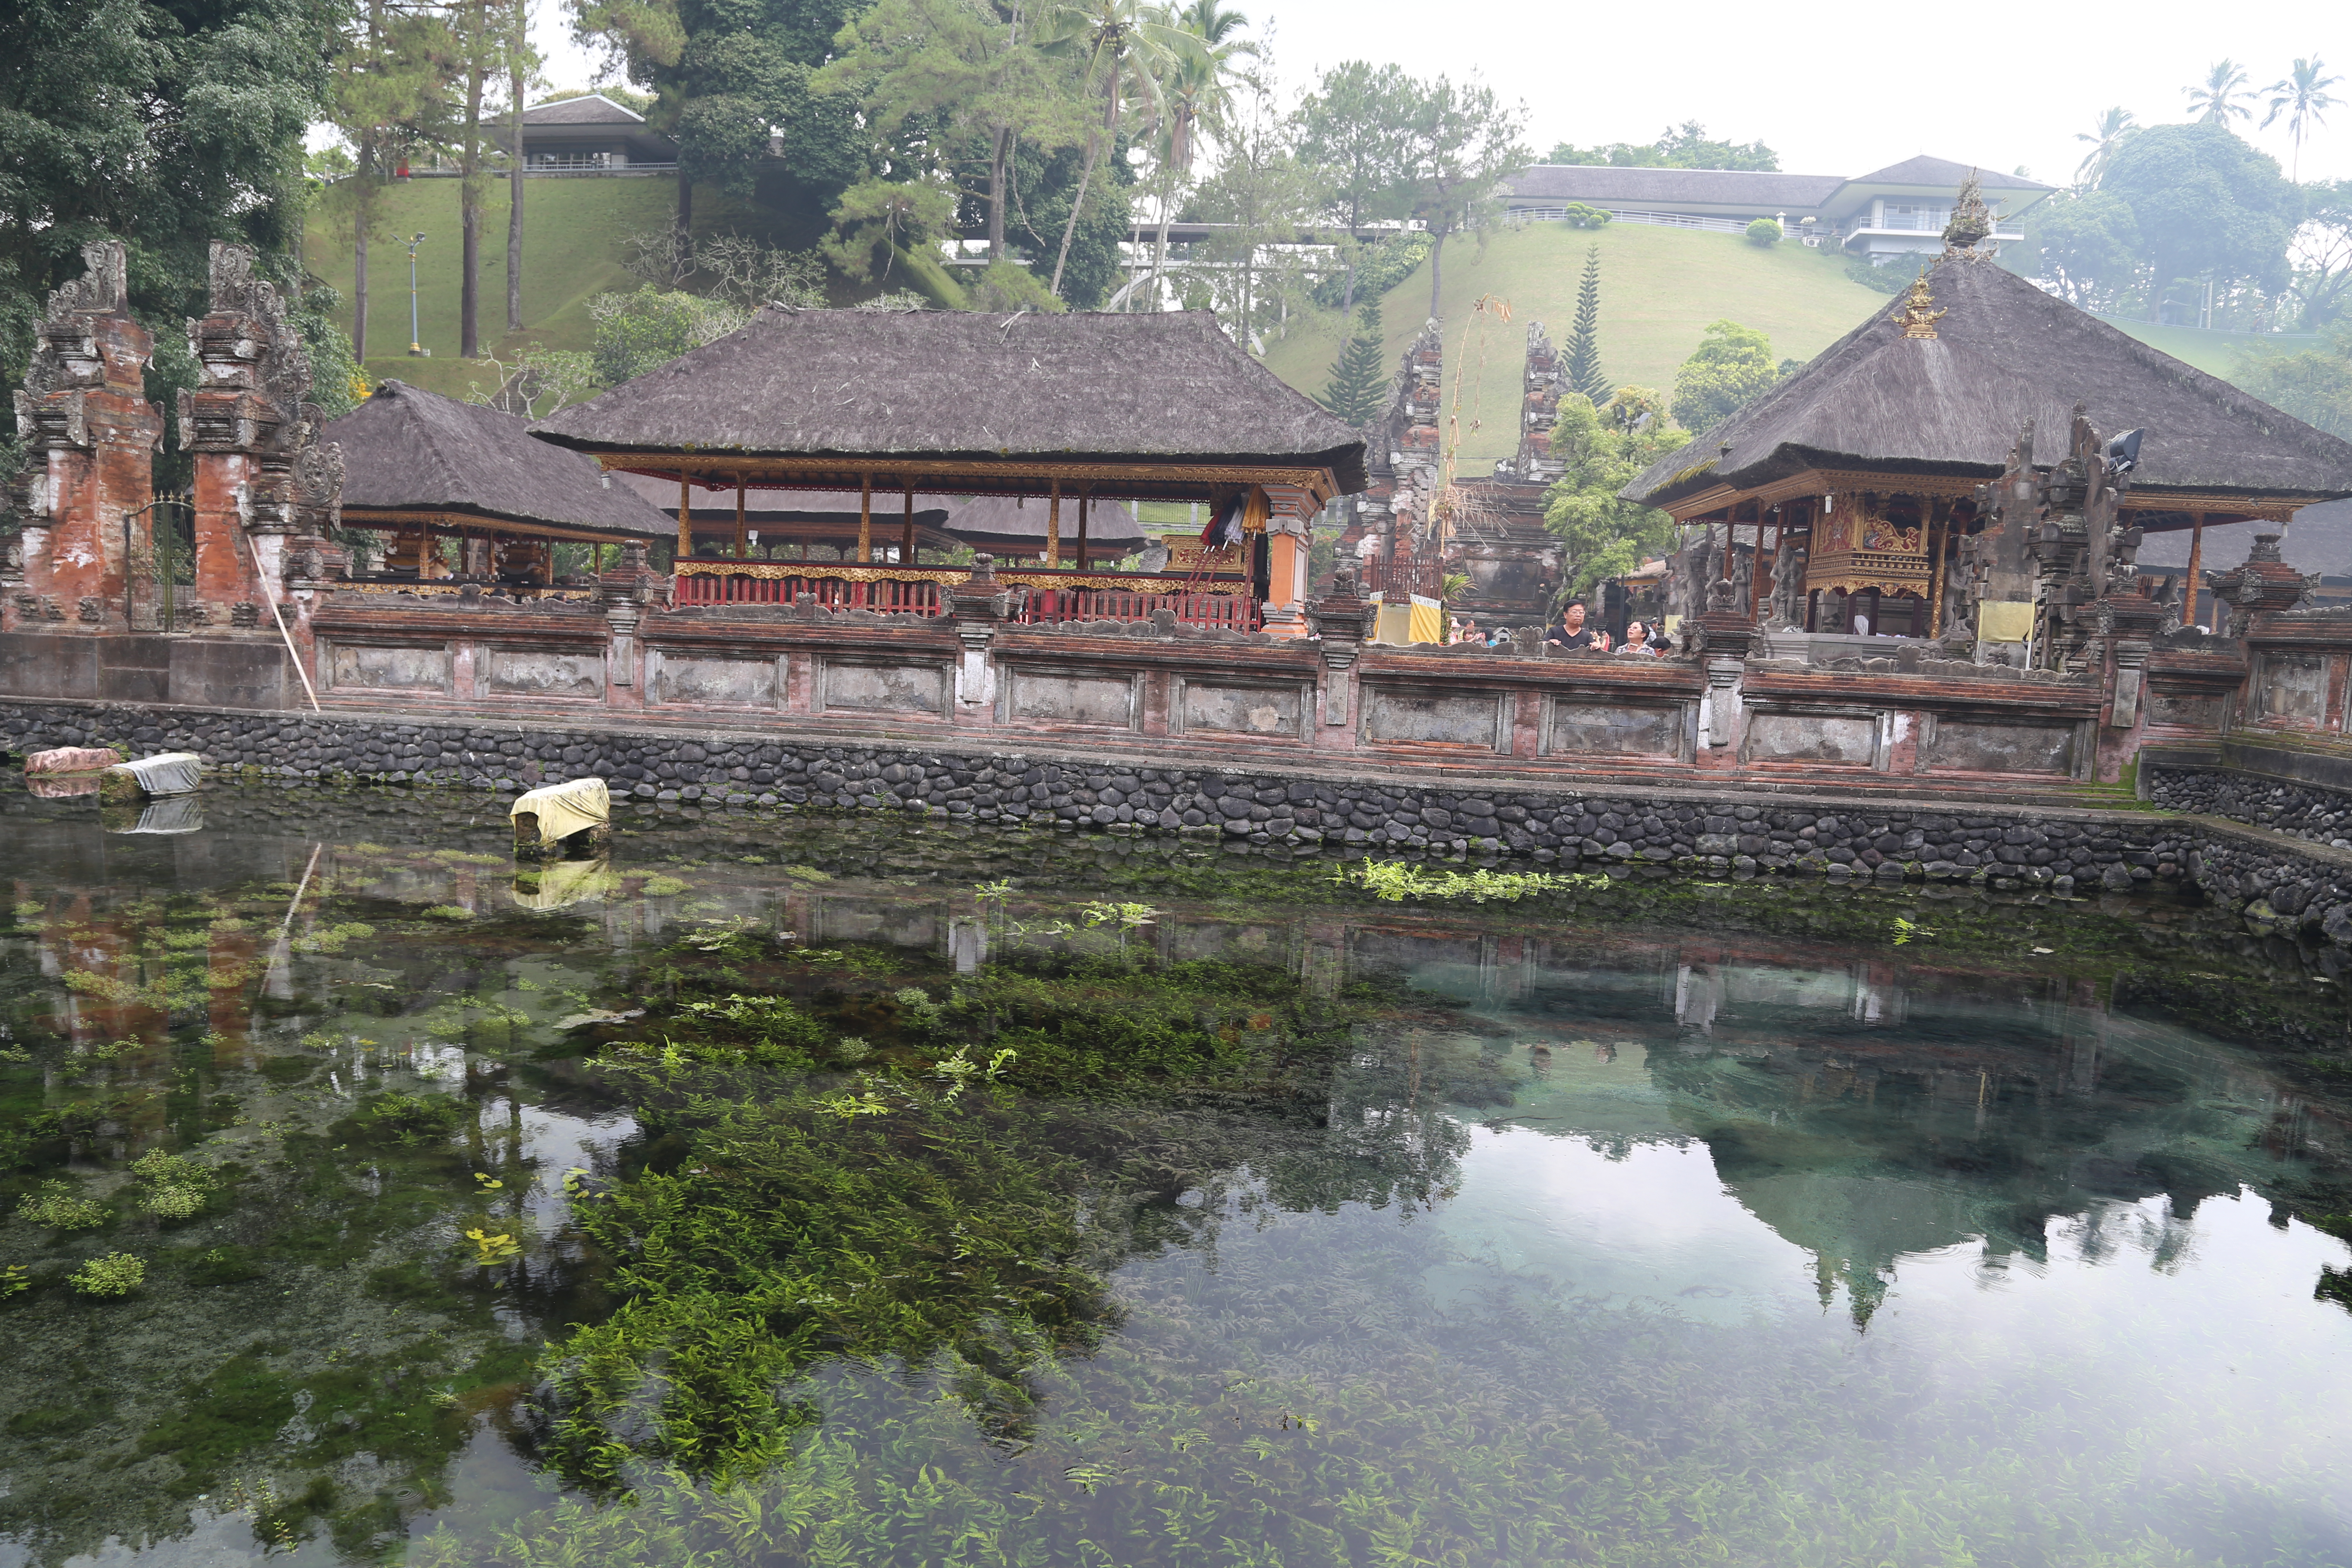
{"x": 1918, "y": 320}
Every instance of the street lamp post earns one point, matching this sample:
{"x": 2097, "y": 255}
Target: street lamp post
{"x": 415, "y": 347}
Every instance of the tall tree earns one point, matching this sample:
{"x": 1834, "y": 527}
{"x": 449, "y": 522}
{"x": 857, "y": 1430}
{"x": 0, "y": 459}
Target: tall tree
{"x": 2323, "y": 253}
{"x": 1584, "y": 337}
{"x": 2303, "y": 96}
{"x": 1352, "y": 132}
{"x": 729, "y": 74}
{"x": 2206, "y": 203}
{"x": 1262, "y": 198}
{"x": 1128, "y": 47}
{"x": 1195, "y": 97}
{"x": 1460, "y": 143}
{"x": 479, "y": 49}
{"x": 390, "y": 95}
{"x": 968, "y": 69}
{"x": 2104, "y": 137}
{"x": 1358, "y": 390}
{"x": 522, "y": 68}
{"x": 2214, "y": 100}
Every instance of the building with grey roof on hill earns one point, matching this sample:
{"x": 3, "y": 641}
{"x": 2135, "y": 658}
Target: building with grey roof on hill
{"x": 1886, "y": 215}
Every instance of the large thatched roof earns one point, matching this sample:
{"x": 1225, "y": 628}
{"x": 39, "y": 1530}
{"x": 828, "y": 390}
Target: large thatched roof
{"x": 411, "y": 451}
{"x": 868, "y": 386}
{"x": 2004, "y": 352}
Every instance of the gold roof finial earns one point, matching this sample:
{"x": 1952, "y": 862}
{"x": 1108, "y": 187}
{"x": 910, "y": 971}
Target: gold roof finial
{"x": 1918, "y": 320}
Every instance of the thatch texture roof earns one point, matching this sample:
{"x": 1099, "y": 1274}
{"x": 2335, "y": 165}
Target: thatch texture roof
{"x": 2003, "y": 353}
{"x": 409, "y": 450}
{"x": 1014, "y": 526}
{"x": 866, "y": 386}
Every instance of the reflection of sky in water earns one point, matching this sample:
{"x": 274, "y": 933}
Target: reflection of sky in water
{"x": 1936, "y": 1207}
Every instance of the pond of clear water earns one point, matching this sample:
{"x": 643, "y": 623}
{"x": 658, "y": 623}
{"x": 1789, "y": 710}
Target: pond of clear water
{"x": 784, "y": 1191}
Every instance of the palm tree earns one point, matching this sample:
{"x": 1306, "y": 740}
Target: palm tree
{"x": 2215, "y": 99}
{"x": 1214, "y": 25}
{"x": 1196, "y": 97}
{"x": 2104, "y": 137}
{"x": 2302, "y": 98}
{"x": 1127, "y": 44}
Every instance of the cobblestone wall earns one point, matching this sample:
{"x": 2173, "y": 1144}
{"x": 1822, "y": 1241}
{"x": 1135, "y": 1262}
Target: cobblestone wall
{"x": 2281, "y": 886}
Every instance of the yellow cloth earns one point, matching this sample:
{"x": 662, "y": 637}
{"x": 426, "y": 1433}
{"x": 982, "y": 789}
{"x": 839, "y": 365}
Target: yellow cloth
{"x": 563, "y": 809}
{"x": 2004, "y": 620}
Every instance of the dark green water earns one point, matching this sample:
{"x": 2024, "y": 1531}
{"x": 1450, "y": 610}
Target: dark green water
{"x": 1645, "y": 1224}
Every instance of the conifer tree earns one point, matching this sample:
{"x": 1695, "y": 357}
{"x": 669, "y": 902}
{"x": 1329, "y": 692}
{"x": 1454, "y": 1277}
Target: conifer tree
{"x": 1584, "y": 339}
{"x": 1358, "y": 388}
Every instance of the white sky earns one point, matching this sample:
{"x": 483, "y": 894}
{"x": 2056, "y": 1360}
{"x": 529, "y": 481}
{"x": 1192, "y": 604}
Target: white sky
{"x": 1834, "y": 87}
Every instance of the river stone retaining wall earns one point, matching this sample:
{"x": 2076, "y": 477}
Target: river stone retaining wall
{"x": 2311, "y": 812}
{"x": 2281, "y": 886}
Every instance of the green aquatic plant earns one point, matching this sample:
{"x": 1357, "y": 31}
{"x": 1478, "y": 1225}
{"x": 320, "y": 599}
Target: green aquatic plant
{"x": 446, "y": 912}
{"x": 176, "y": 1188}
{"x": 770, "y": 1030}
{"x": 15, "y": 1280}
{"x": 59, "y": 1205}
{"x": 110, "y": 1274}
{"x": 1394, "y": 881}
{"x": 331, "y": 939}
{"x": 663, "y": 887}
{"x": 787, "y": 1235}
{"x": 850, "y": 1050}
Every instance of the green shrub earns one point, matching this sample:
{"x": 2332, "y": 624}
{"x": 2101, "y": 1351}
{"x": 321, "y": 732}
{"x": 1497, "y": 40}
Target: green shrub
{"x": 1579, "y": 216}
{"x": 115, "y": 1273}
{"x": 60, "y": 1206}
{"x": 1764, "y": 231}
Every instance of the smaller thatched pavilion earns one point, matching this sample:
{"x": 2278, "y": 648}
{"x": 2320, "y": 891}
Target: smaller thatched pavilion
{"x": 422, "y": 467}
{"x": 1861, "y": 473}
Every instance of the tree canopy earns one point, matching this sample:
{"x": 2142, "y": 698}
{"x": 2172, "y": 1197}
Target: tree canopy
{"x": 1731, "y": 365}
{"x": 196, "y": 136}
{"x": 1687, "y": 146}
{"x": 1603, "y": 447}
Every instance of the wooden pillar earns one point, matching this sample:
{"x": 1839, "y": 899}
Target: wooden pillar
{"x": 865, "y": 519}
{"x": 2196, "y": 559}
{"x": 741, "y": 546}
{"x": 1936, "y": 565}
{"x": 907, "y": 540}
{"x": 1756, "y": 569}
{"x": 684, "y": 521}
{"x": 1054, "y": 525}
{"x": 1084, "y": 499}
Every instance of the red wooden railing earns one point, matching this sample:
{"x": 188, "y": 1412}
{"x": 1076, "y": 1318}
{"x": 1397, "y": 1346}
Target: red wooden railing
{"x": 1237, "y": 611}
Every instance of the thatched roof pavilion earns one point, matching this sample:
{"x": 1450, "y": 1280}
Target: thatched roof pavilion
{"x": 414, "y": 459}
{"x": 1867, "y": 461}
{"x": 1150, "y": 406}
{"x": 1947, "y": 399}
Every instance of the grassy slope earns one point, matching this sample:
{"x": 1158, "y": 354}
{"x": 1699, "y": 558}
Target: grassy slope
{"x": 572, "y": 234}
{"x": 1659, "y": 289}
{"x": 2214, "y": 352}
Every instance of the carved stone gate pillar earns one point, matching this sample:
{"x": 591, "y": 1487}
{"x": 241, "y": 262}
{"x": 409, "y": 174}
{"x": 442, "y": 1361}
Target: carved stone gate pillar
{"x": 90, "y": 435}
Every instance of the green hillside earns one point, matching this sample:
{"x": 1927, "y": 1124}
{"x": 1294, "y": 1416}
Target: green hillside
{"x": 1660, "y": 288}
{"x": 572, "y": 235}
